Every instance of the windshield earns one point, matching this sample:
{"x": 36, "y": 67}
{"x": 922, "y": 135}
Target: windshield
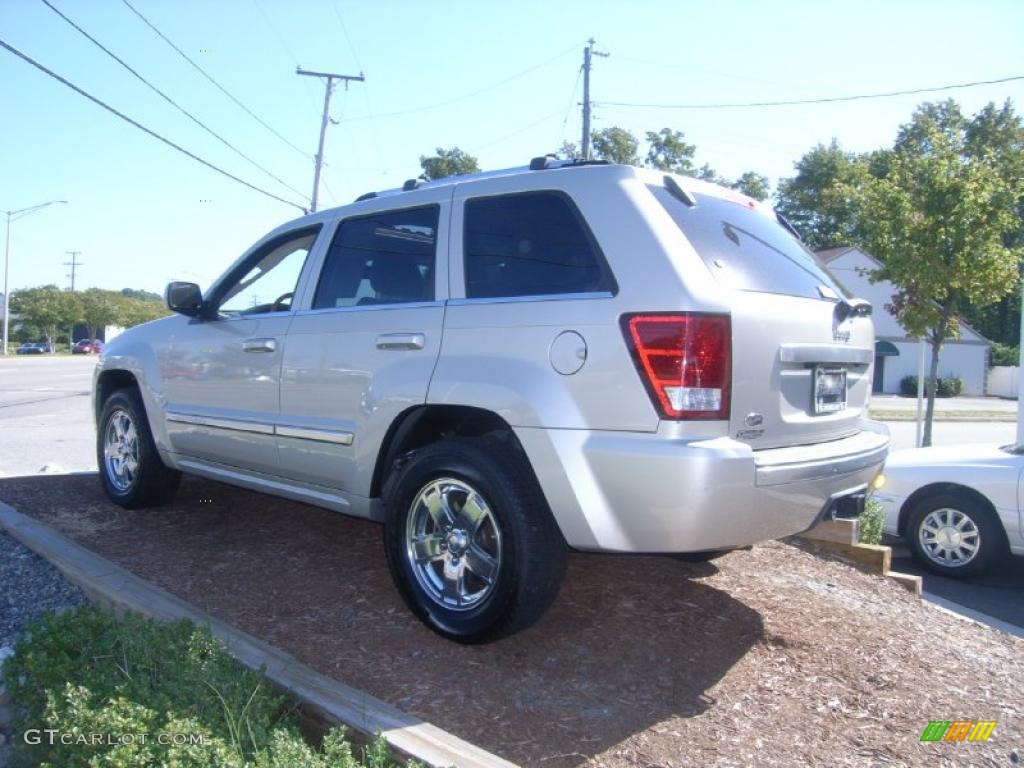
{"x": 747, "y": 250}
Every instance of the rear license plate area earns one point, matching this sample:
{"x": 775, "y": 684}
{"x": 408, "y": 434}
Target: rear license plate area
{"x": 829, "y": 389}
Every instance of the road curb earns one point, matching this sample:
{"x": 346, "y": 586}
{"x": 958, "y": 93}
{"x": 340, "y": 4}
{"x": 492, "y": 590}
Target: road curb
{"x": 322, "y": 699}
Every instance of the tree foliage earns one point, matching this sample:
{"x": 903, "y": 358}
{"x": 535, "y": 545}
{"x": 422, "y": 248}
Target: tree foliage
{"x": 818, "y": 200}
{"x": 942, "y": 220}
{"x": 753, "y": 185}
{"x": 616, "y": 145}
{"x": 668, "y": 150}
{"x": 52, "y": 312}
{"x": 448, "y": 162}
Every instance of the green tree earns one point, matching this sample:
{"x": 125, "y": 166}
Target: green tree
{"x": 818, "y": 200}
{"x": 940, "y": 220}
{"x": 616, "y": 145}
{"x": 753, "y": 184}
{"x": 99, "y": 308}
{"x": 448, "y": 162}
{"x": 46, "y": 308}
{"x": 569, "y": 151}
{"x": 667, "y": 150}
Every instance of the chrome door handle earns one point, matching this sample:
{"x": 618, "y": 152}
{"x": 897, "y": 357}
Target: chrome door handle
{"x": 401, "y": 341}
{"x": 259, "y": 345}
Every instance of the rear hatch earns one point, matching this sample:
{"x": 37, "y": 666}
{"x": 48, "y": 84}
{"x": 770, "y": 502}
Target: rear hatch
{"x": 801, "y": 348}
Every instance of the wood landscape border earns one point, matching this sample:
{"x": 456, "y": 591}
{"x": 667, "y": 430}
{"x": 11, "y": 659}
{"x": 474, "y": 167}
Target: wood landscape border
{"x": 321, "y": 698}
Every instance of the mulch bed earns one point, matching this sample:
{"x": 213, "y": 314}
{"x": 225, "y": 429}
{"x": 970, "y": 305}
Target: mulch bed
{"x": 773, "y": 656}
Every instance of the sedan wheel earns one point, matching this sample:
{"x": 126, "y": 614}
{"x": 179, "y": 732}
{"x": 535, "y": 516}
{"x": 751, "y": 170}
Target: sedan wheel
{"x": 954, "y": 534}
{"x": 949, "y": 537}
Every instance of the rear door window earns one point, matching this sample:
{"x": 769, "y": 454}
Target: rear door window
{"x": 747, "y": 250}
{"x": 384, "y": 258}
{"x": 530, "y": 244}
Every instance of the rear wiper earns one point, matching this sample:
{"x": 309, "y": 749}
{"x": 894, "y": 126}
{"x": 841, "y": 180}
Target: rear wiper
{"x": 852, "y": 308}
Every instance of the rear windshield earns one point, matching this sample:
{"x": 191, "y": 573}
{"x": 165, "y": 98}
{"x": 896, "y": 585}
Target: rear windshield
{"x": 747, "y": 250}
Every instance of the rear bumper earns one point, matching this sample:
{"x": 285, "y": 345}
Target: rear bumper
{"x": 640, "y": 492}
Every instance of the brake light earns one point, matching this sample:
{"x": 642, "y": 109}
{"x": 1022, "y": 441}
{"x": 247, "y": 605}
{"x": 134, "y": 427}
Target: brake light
{"x": 684, "y": 360}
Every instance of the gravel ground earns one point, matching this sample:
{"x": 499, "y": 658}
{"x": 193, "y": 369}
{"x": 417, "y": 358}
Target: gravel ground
{"x": 772, "y": 657}
{"x": 29, "y": 587}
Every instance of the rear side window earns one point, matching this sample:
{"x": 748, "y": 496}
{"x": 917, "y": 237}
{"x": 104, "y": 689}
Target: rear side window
{"x": 747, "y": 250}
{"x": 530, "y": 244}
{"x": 385, "y": 258}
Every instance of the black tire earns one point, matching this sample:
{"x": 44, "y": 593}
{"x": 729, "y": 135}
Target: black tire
{"x": 152, "y": 483}
{"x": 531, "y": 551}
{"x": 981, "y": 528}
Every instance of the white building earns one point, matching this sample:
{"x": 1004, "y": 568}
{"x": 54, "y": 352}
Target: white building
{"x": 896, "y": 353}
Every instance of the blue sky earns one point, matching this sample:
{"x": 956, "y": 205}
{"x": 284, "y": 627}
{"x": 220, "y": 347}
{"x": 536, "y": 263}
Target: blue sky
{"x": 497, "y": 79}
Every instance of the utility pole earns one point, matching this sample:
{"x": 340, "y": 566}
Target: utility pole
{"x": 14, "y": 216}
{"x": 588, "y": 52}
{"x": 74, "y": 264}
{"x": 323, "y": 122}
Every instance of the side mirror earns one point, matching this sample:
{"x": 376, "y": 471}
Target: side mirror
{"x": 184, "y": 298}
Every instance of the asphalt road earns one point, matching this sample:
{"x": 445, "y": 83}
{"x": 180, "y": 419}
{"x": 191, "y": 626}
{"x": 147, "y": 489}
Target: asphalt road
{"x": 46, "y": 427}
{"x": 45, "y": 423}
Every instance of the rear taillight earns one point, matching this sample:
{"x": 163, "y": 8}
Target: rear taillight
{"x": 684, "y": 361}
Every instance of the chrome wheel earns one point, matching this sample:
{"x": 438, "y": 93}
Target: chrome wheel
{"x": 453, "y": 544}
{"x": 949, "y": 538}
{"x": 121, "y": 450}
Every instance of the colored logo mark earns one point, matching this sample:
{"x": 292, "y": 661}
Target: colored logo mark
{"x": 958, "y": 730}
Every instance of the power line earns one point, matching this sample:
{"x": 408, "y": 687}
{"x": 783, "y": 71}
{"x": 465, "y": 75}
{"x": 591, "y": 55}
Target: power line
{"x": 143, "y": 128}
{"x": 464, "y": 96}
{"x": 568, "y": 109}
{"x": 169, "y": 100}
{"x": 223, "y": 90}
{"x": 827, "y": 100}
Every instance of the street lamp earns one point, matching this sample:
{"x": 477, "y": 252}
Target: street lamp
{"x": 14, "y": 216}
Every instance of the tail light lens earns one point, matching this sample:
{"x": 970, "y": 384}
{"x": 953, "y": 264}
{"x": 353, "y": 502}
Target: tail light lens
{"x": 684, "y": 360}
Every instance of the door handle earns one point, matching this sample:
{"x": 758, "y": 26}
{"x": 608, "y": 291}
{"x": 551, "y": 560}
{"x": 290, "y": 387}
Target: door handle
{"x": 259, "y": 345}
{"x": 401, "y": 341}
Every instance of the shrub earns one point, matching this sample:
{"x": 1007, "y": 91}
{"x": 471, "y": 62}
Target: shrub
{"x": 869, "y": 525}
{"x": 1003, "y": 354}
{"x": 948, "y": 386}
{"x": 88, "y": 672}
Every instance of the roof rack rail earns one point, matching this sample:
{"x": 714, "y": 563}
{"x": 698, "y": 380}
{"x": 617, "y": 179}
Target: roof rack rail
{"x": 412, "y": 184}
{"x": 366, "y": 196}
{"x": 553, "y": 161}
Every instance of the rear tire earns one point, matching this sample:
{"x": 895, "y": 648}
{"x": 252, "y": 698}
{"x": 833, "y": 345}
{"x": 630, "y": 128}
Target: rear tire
{"x": 470, "y": 541}
{"x": 131, "y": 471}
{"x": 952, "y": 534}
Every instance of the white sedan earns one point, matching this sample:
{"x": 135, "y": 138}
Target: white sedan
{"x": 958, "y": 507}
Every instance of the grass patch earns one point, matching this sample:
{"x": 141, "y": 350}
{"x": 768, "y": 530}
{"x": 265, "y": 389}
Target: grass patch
{"x": 882, "y": 414}
{"x": 87, "y": 672}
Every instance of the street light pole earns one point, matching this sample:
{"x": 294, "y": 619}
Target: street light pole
{"x": 7, "y": 260}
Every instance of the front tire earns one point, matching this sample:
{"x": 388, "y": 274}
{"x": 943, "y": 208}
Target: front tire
{"x": 470, "y": 541}
{"x": 952, "y": 534}
{"x": 131, "y": 471}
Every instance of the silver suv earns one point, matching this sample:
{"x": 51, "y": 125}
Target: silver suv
{"x": 503, "y": 366}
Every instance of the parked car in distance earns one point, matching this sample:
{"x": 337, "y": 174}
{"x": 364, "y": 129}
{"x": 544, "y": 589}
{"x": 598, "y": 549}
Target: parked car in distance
{"x": 957, "y": 507}
{"x": 503, "y": 366}
{"x": 33, "y": 348}
{"x": 87, "y": 347}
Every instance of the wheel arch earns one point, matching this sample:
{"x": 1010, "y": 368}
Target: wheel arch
{"x": 425, "y": 424}
{"x": 935, "y": 489}
{"x": 107, "y": 382}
